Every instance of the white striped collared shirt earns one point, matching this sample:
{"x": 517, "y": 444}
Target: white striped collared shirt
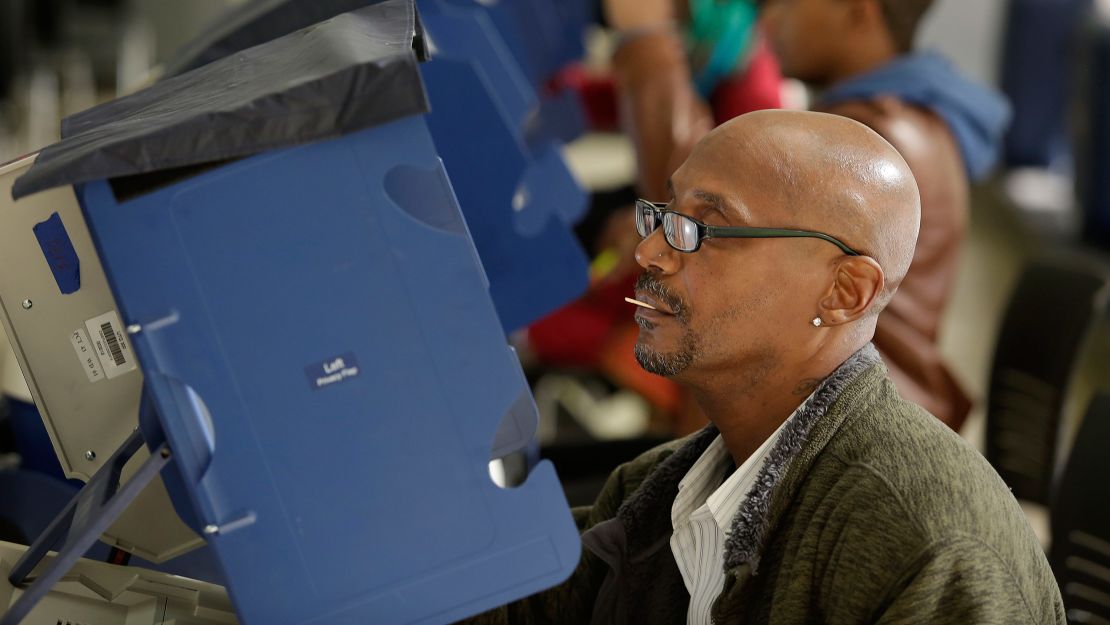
{"x": 702, "y": 516}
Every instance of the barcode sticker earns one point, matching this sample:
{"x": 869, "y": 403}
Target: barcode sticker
{"x": 86, "y": 354}
{"x": 111, "y": 344}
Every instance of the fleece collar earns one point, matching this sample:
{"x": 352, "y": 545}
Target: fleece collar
{"x": 645, "y": 515}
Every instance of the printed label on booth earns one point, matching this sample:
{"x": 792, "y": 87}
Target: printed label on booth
{"x": 111, "y": 344}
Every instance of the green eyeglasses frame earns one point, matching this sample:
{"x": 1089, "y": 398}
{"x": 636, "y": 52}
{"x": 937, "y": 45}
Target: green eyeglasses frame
{"x": 705, "y": 231}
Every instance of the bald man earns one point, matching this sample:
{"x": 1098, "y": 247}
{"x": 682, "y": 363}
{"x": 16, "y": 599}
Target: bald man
{"x": 817, "y": 494}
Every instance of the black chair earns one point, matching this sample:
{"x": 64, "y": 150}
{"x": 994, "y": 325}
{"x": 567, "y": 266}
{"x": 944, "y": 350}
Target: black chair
{"x": 1080, "y": 553}
{"x": 1043, "y": 331}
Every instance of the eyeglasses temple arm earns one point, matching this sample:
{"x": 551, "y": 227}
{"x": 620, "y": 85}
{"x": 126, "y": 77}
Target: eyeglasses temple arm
{"x": 773, "y": 233}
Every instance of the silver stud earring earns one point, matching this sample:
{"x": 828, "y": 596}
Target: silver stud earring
{"x": 816, "y": 322}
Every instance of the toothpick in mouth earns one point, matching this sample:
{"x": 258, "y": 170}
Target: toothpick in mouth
{"x": 639, "y": 303}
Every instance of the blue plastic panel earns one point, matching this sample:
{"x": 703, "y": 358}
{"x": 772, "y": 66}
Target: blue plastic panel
{"x": 519, "y": 46}
{"x": 518, "y": 208}
{"x": 520, "y": 201}
{"x": 545, "y": 35}
{"x": 469, "y": 34}
{"x": 560, "y": 119}
{"x": 364, "y": 498}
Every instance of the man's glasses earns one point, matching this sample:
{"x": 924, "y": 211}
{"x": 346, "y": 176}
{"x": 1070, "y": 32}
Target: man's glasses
{"x": 685, "y": 234}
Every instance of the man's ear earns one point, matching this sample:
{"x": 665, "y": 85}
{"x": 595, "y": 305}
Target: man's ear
{"x": 858, "y": 283}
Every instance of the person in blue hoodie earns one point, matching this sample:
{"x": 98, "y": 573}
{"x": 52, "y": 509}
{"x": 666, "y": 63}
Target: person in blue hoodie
{"x": 858, "y": 56}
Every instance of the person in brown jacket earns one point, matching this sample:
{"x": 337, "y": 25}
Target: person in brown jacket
{"x": 857, "y": 55}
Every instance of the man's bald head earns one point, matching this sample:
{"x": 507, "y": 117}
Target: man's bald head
{"x": 742, "y": 309}
{"x": 827, "y": 173}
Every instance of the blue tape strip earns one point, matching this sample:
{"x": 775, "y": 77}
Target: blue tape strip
{"x": 60, "y": 255}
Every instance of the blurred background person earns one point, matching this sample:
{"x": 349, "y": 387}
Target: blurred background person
{"x": 682, "y": 67}
{"x": 858, "y": 55}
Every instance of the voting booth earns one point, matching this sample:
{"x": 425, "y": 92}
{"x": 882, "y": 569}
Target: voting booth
{"x": 524, "y": 202}
{"x": 324, "y": 375}
{"x": 543, "y": 36}
{"x": 498, "y": 132}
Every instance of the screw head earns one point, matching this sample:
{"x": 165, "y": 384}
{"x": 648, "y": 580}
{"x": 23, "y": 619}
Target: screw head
{"x": 27, "y": 304}
{"x": 90, "y": 455}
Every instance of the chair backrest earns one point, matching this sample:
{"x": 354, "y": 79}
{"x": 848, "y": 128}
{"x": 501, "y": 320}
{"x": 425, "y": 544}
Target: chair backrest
{"x": 1043, "y": 331}
{"x": 1081, "y": 520}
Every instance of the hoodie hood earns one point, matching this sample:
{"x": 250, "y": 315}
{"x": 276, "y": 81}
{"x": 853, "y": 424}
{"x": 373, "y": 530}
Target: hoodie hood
{"x": 977, "y": 115}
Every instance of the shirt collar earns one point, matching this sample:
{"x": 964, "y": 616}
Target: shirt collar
{"x": 702, "y": 484}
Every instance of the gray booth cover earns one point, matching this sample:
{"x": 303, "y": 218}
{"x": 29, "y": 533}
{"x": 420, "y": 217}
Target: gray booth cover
{"x": 351, "y": 72}
{"x": 253, "y": 23}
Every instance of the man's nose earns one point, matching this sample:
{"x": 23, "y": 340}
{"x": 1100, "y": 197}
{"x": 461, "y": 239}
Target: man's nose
{"x": 655, "y": 253}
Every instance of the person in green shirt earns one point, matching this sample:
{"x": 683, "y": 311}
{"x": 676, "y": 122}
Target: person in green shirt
{"x": 816, "y": 494}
